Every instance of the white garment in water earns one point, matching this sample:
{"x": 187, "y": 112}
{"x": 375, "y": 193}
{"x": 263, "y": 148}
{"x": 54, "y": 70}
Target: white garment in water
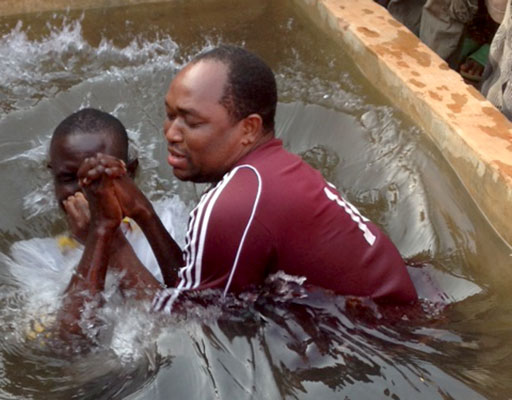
{"x": 45, "y": 265}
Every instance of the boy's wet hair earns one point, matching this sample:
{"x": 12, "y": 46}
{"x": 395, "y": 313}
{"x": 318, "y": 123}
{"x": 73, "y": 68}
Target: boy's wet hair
{"x": 93, "y": 121}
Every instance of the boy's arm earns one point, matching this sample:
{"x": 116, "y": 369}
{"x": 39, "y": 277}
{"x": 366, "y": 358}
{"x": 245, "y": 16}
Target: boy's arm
{"x": 89, "y": 278}
{"x": 139, "y": 208}
{"x": 122, "y": 256}
{"x": 136, "y": 206}
{"x": 136, "y": 276}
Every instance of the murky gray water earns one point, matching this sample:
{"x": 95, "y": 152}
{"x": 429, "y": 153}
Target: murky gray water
{"x": 279, "y": 343}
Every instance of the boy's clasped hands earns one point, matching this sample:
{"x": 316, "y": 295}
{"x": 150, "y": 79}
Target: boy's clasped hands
{"x": 111, "y": 194}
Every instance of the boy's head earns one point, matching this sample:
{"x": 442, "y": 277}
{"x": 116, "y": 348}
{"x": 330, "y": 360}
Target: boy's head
{"x": 81, "y": 135}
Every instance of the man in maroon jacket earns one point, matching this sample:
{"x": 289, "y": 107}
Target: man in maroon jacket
{"x": 267, "y": 210}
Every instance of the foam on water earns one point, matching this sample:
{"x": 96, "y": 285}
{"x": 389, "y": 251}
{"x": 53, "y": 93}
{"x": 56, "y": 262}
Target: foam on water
{"x": 296, "y": 84}
{"x": 45, "y": 67}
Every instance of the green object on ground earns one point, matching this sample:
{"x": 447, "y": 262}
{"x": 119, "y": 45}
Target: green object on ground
{"x": 480, "y": 56}
{"x": 468, "y": 46}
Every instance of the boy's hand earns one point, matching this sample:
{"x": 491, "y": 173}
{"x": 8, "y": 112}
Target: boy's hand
{"x": 103, "y": 167}
{"x": 96, "y": 175}
{"x": 78, "y": 215}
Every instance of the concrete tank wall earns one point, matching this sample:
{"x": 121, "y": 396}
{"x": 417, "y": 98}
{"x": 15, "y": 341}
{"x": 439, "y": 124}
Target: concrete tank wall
{"x": 472, "y": 134}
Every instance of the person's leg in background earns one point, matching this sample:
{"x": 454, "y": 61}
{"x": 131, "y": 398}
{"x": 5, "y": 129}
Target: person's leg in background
{"x": 408, "y": 12}
{"x": 443, "y": 24}
{"x": 496, "y": 80}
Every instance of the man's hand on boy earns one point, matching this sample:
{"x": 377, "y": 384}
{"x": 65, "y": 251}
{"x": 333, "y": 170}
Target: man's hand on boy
{"x": 132, "y": 201}
{"x": 93, "y": 168}
{"x": 96, "y": 175}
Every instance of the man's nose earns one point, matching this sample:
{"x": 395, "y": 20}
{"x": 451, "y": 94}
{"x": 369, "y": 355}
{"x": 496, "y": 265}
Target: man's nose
{"x": 173, "y": 130}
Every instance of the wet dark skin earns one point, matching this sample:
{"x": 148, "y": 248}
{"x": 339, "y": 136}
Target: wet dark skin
{"x": 202, "y": 139}
{"x": 203, "y": 143}
{"x": 66, "y": 155}
{"x": 112, "y": 195}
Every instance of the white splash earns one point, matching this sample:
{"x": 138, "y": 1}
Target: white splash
{"x": 42, "y": 68}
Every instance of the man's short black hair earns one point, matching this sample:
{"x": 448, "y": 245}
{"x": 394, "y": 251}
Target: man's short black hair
{"x": 94, "y": 121}
{"x": 250, "y": 87}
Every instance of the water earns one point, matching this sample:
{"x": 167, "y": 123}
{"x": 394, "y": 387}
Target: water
{"x": 279, "y": 342}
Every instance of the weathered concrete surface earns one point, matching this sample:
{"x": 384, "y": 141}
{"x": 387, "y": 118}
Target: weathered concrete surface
{"x": 473, "y": 135}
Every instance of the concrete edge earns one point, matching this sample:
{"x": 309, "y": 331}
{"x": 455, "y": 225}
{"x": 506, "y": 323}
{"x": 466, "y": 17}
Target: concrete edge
{"x": 474, "y": 137}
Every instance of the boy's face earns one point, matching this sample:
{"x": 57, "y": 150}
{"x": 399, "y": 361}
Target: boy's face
{"x": 66, "y": 155}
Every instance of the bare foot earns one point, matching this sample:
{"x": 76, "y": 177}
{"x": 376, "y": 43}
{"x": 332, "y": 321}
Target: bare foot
{"x": 471, "y": 70}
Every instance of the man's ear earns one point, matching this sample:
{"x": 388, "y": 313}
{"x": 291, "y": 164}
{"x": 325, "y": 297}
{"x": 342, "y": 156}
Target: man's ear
{"x": 132, "y": 166}
{"x": 252, "y": 126}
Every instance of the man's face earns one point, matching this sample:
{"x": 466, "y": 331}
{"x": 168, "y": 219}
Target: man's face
{"x": 66, "y": 155}
{"x": 203, "y": 141}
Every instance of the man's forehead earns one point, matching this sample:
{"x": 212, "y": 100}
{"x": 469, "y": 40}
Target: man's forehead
{"x": 204, "y": 79}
